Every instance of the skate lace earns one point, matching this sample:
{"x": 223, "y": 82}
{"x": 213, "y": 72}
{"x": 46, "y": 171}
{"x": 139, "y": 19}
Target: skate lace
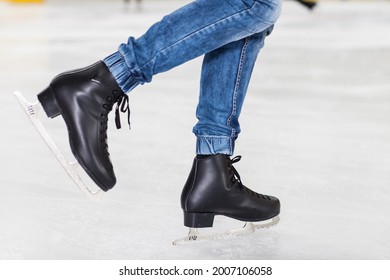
{"x": 235, "y": 178}
{"x": 122, "y": 105}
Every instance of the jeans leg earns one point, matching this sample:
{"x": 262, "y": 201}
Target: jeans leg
{"x": 193, "y": 30}
{"x": 225, "y": 77}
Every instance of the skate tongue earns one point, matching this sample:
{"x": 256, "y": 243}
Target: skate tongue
{"x": 123, "y": 106}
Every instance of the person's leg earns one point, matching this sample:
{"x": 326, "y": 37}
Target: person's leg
{"x": 193, "y": 30}
{"x": 225, "y": 77}
{"x": 214, "y": 187}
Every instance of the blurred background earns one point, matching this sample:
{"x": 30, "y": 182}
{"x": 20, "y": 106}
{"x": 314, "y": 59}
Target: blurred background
{"x": 315, "y": 133}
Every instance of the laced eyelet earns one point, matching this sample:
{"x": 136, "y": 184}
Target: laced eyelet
{"x": 122, "y": 104}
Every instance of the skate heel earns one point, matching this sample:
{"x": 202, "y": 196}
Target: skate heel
{"x": 49, "y": 103}
{"x": 198, "y": 220}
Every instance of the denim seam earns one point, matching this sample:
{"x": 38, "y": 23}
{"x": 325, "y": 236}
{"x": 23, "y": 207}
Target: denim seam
{"x": 236, "y": 87}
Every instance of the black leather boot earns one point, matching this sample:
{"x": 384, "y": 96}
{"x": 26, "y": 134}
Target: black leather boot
{"x": 84, "y": 97}
{"x": 214, "y": 188}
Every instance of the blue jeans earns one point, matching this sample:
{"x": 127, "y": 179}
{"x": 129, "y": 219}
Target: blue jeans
{"x": 230, "y": 33}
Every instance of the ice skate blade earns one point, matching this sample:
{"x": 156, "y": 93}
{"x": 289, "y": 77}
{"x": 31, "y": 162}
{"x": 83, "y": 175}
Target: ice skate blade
{"x": 32, "y": 110}
{"x": 249, "y": 227}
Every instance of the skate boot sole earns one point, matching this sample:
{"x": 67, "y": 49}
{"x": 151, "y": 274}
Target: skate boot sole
{"x": 201, "y": 220}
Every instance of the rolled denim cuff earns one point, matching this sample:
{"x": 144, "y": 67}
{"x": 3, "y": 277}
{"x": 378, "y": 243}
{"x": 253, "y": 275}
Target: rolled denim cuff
{"x": 211, "y": 145}
{"x": 118, "y": 68}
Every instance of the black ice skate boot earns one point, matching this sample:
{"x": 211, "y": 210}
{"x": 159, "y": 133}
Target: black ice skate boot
{"x": 84, "y": 97}
{"x": 214, "y": 188}
{"x": 310, "y": 4}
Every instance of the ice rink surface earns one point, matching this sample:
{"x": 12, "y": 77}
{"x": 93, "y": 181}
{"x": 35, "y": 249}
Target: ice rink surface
{"x": 315, "y": 133}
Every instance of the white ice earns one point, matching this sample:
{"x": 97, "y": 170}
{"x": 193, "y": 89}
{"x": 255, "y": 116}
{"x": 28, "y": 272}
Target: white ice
{"x": 315, "y": 133}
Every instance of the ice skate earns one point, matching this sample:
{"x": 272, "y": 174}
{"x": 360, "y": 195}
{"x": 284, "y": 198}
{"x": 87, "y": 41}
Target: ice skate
{"x": 214, "y": 187}
{"x": 84, "y": 98}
